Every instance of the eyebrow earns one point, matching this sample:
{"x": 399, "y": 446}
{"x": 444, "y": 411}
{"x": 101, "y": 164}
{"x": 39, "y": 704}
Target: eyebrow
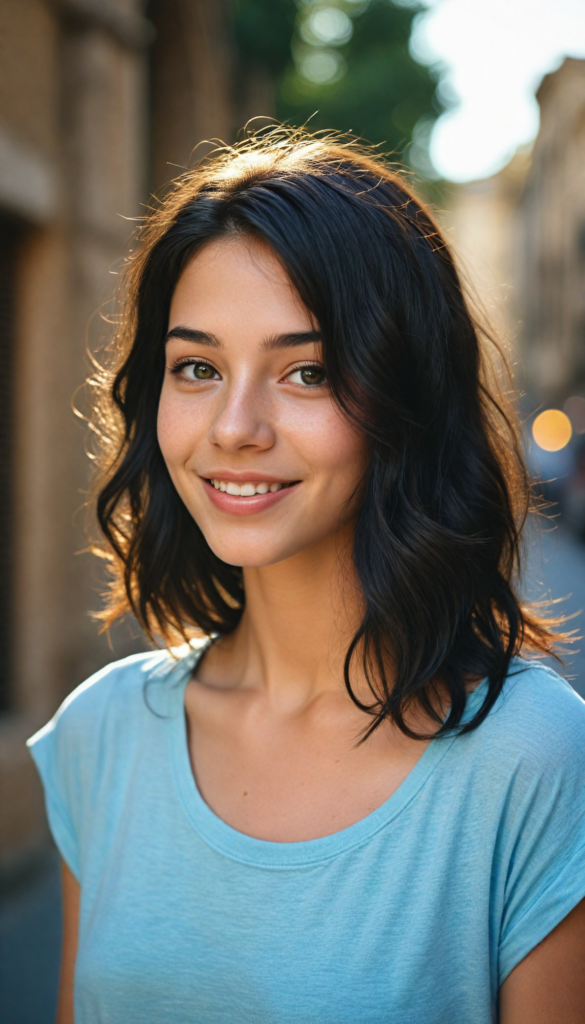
{"x": 198, "y": 337}
{"x": 289, "y": 340}
{"x": 275, "y": 341}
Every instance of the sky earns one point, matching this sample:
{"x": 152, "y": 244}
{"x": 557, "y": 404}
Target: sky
{"x": 492, "y": 56}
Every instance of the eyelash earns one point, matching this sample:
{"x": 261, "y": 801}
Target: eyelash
{"x": 309, "y": 366}
{"x": 176, "y": 368}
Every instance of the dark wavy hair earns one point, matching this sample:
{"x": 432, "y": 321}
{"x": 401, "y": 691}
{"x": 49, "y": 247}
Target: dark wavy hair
{"x": 436, "y": 547}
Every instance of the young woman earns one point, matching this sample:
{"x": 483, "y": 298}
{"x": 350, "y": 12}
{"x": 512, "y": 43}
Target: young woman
{"x": 353, "y": 798}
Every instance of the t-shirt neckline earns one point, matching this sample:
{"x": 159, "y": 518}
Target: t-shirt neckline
{"x": 267, "y": 854}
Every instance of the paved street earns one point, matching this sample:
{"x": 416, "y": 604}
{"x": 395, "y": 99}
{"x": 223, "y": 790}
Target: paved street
{"x": 30, "y": 937}
{"x": 29, "y": 919}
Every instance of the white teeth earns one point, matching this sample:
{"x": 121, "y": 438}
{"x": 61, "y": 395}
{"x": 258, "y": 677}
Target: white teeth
{"x": 246, "y": 490}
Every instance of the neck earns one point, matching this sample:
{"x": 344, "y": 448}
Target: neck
{"x": 299, "y": 618}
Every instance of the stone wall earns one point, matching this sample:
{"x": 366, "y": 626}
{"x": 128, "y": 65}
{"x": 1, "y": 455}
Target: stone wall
{"x": 98, "y": 103}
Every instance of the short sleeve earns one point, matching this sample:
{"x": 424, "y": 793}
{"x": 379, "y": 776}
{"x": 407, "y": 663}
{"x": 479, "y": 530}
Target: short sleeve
{"x": 546, "y": 863}
{"x": 66, "y": 753}
{"x": 73, "y": 752}
{"x": 50, "y": 754}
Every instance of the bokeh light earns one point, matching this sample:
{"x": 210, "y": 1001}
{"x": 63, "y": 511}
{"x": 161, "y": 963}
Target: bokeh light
{"x": 327, "y": 25}
{"x": 552, "y": 430}
{"x": 322, "y": 67}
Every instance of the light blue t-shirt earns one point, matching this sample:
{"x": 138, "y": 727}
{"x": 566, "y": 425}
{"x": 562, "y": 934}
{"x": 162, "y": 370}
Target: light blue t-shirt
{"x": 414, "y": 915}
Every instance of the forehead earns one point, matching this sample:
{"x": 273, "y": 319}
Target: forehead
{"x": 237, "y": 281}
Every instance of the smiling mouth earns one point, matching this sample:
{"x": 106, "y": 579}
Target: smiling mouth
{"x": 248, "y": 489}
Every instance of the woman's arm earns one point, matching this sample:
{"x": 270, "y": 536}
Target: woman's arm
{"x": 548, "y": 986}
{"x": 71, "y": 893}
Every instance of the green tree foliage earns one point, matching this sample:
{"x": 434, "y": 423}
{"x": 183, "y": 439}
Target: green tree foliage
{"x": 264, "y": 31}
{"x": 342, "y": 64}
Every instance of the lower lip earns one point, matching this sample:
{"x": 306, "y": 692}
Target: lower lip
{"x": 237, "y": 506}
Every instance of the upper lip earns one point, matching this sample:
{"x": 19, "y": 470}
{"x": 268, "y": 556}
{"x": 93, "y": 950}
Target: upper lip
{"x": 244, "y": 476}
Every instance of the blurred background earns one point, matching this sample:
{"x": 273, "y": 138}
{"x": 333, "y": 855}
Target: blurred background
{"x": 102, "y": 102}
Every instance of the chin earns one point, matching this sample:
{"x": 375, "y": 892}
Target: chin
{"x": 254, "y": 553}
{"x": 250, "y": 556}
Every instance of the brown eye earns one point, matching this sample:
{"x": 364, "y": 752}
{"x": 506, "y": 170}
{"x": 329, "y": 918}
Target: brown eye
{"x": 202, "y": 371}
{"x": 310, "y": 376}
{"x": 196, "y": 371}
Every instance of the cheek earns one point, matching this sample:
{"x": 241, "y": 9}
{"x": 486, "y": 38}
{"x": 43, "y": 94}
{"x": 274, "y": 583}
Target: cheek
{"x": 334, "y": 447}
{"x": 177, "y": 429}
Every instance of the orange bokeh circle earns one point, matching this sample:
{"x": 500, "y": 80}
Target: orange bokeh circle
{"x": 552, "y": 430}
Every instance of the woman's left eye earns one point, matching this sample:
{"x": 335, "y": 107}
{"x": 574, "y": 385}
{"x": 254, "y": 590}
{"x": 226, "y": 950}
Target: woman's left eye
{"x": 308, "y": 376}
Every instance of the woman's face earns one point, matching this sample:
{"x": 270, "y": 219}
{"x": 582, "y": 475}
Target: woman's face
{"x": 247, "y": 426}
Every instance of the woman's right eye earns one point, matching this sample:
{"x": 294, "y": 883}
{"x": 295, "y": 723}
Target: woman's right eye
{"x": 195, "y": 371}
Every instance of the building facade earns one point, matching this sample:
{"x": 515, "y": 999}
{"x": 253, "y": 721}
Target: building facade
{"x": 553, "y": 222}
{"x": 483, "y": 224}
{"x": 100, "y": 102}
{"x": 519, "y": 237}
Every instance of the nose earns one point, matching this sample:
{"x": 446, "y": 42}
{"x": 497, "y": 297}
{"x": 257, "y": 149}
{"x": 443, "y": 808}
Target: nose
{"x": 243, "y": 418}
